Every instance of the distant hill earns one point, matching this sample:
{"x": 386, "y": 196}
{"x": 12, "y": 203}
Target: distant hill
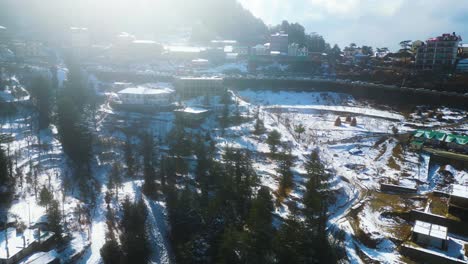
{"x": 209, "y": 19}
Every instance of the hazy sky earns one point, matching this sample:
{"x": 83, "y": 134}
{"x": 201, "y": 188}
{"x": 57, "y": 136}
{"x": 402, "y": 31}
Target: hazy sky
{"x": 377, "y": 23}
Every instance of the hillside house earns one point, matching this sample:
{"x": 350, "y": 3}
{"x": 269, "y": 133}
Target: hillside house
{"x": 198, "y": 86}
{"x": 459, "y": 196}
{"x": 432, "y": 235}
{"x": 146, "y": 96}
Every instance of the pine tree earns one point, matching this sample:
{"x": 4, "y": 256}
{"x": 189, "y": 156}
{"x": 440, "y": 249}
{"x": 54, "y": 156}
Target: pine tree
{"x": 111, "y": 252}
{"x": 4, "y": 179}
{"x": 115, "y": 178}
{"x": 259, "y": 127}
{"x": 54, "y": 217}
{"x": 45, "y": 197}
{"x": 42, "y": 98}
{"x": 259, "y": 222}
{"x": 314, "y": 167}
{"x": 353, "y": 122}
{"x": 300, "y": 129}
{"x": 273, "y": 140}
{"x": 284, "y": 169}
{"x": 134, "y": 239}
{"x": 129, "y": 158}
{"x": 149, "y": 185}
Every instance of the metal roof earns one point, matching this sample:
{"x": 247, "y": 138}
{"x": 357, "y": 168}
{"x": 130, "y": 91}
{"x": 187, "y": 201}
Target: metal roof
{"x": 431, "y": 230}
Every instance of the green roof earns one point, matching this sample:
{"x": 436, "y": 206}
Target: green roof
{"x": 429, "y": 134}
{"x": 461, "y": 140}
{"x": 441, "y": 136}
{"x": 419, "y": 133}
{"x": 450, "y": 138}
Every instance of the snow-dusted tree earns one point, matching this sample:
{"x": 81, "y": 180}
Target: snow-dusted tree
{"x": 284, "y": 169}
{"x": 115, "y": 178}
{"x": 273, "y": 140}
{"x": 129, "y": 158}
{"x": 299, "y": 129}
{"x": 55, "y": 218}
{"x": 45, "y": 197}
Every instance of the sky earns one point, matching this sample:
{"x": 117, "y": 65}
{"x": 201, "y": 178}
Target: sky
{"x": 378, "y": 23}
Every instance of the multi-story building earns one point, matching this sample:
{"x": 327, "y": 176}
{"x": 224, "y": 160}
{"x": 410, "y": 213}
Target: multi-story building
{"x": 146, "y": 95}
{"x": 295, "y": 50}
{"x": 197, "y": 86}
{"x": 439, "y": 52}
{"x": 279, "y": 43}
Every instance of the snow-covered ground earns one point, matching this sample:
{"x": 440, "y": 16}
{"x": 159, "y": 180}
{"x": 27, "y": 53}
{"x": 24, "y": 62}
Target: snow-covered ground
{"x": 359, "y": 158}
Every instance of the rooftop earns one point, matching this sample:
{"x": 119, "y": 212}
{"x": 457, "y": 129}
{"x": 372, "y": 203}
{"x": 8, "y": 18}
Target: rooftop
{"x": 201, "y": 78}
{"x": 16, "y": 242}
{"x": 146, "y": 90}
{"x": 193, "y": 110}
{"x": 431, "y": 230}
{"x": 460, "y": 191}
{"x": 441, "y": 136}
{"x": 142, "y": 41}
{"x": 78, "y": 29}
{"x": 446, "y": 37}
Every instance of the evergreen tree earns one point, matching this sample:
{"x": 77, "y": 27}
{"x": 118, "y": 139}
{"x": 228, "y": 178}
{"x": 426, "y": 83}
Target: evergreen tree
{"x": 300, "y": 129}
{"x": 54, "y": 217}
{"x": 353, "y": 122}
{"x": 129, "y": 158}
{"x": 259, "y": 127}
{"x": 4, "y": 161}
{"x": 115, "y": 178}
{"x": 41, "y": 93}
{"x": 314, "y": 167}
{"x": 45, "y": 197}
{"x": 149, "y": 185}
{"x": 261, "y": 232}
{"x": 229, "y": 247}
{"x": 135, "y": 246}
{"x": 111, "y": 252}
{"x": 284, "y": 169}
{"x": 273, "y": 140}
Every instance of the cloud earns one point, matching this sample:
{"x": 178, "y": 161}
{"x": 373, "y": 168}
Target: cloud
{"x": 367, "y": 22}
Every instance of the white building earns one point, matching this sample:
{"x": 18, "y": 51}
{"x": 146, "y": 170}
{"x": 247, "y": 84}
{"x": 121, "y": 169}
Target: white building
{"x": 428, "y": 234}
{"x": 295, "y": 50}
{"x": 14, "y": 246}
{"x": 143, "y": 95}
{"x": 260, "y": 50}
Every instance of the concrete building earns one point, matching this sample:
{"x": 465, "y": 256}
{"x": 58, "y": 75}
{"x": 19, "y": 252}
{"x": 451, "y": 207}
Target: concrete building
{"x": 144, "y": 95}
{"x": 192, "y": 116}
{"x": 438, "y": 53}
{"x": 459, "y": 196}
{"x": 427, "y": 234}
{"x": 260, "y": 50}
{"x": 462, "y": 66}
{"x": 463, "y": 50}
{"x": 295, "y": 50}
{"x": 197, "y": 86}
{"x": 279, "y": 43}
{"x": 127, "y": 48}
{"x": 15, "y": 245}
